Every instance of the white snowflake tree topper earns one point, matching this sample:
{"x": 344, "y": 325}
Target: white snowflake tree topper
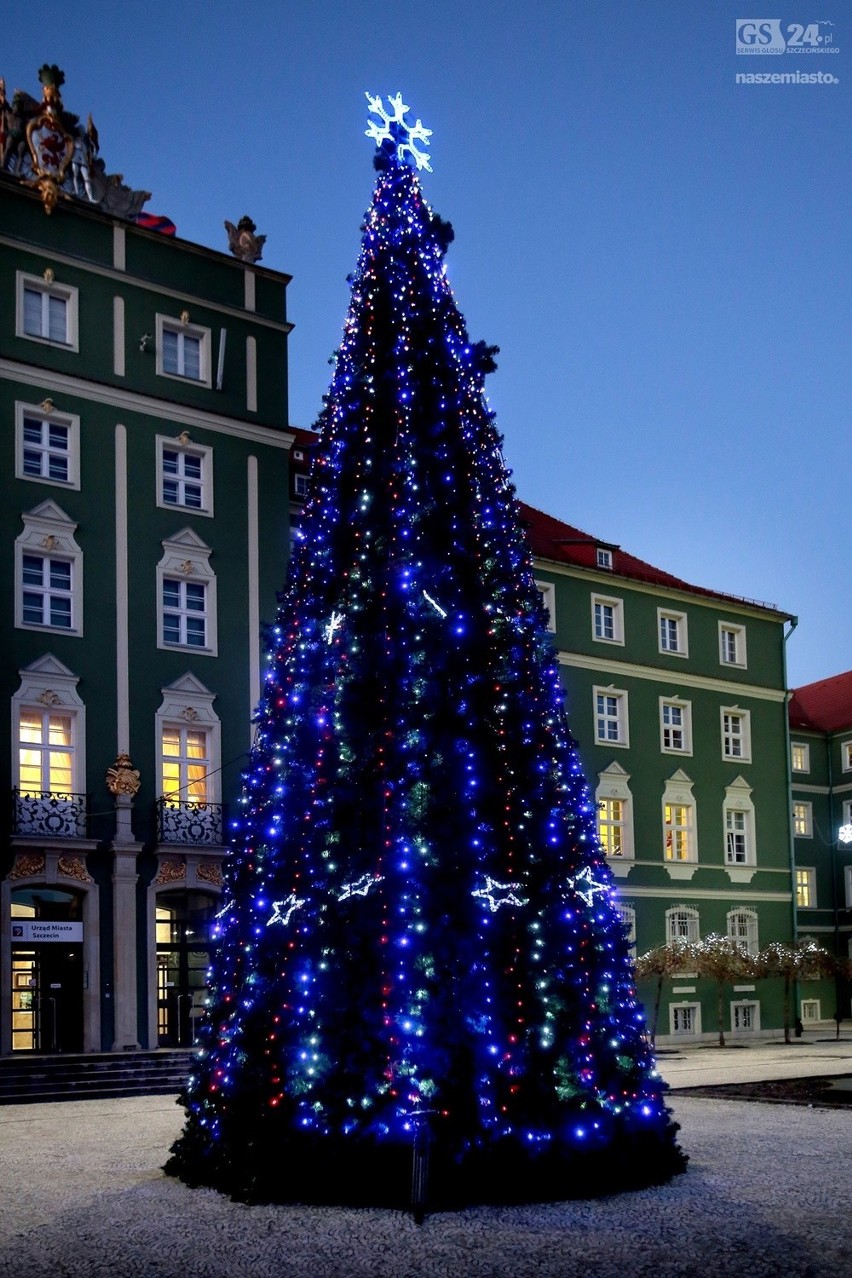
{"x": 396, "y": 129}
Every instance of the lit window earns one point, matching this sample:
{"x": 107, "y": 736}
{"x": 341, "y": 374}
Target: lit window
{"x": 675, "y": 726}
{"x": 611, "y": 826}
{"x": 615, "y": 812}
{"x": 45, "y": 752}
{"x": 47, "y": 446}
{"x": 801, "y": 757}
{"x": 610, "y": 717}
{"x": 184, "y": 613}
{"x": 736, "y": 735}
{"x": 679, "y": 838}
{"x": 682, "y": 924}
{"x": 185, "y": 764}
{"x": 742, "y": 928}
{"x": 672, "y": 632}
{"x": 806, "y": 888}
{"x": 803, "y": 820}
{"x": 183, "y": 350}
{"x": 46, "y": 311}
{"x": 732, "y": 644}
{"x": 184, "y": 475}
{"x": 607, "y": 620}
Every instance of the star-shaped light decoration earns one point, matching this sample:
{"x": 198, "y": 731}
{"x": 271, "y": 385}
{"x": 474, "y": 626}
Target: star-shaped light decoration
{"x": 283, "y": 910}
{"x": 844, "y": 834}
{"x": 395, "y": 128}
{"x": 360, "y": 886}
{"x": 592, "y": 886}
{"x": 497, "y": 894}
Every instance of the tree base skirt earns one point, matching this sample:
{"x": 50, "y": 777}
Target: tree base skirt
{"x": 328, "y": 1172}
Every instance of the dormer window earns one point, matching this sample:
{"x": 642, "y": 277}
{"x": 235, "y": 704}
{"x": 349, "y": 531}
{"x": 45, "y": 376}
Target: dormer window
{"x": 604, "y": 558}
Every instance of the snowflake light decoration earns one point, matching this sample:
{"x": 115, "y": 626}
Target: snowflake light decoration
{"x": 395, "y": 128}
{"x": 587, "y": 893}
{"x": 845, "y": 833}
{"x": 497, "y": 894}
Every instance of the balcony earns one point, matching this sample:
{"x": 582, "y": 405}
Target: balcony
{"x": 189, "y": 824}
{"x": 48, "y": 815}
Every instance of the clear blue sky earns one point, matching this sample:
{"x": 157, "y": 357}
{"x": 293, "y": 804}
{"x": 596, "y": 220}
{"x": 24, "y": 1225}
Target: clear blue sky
{"x": 661, "y": 254}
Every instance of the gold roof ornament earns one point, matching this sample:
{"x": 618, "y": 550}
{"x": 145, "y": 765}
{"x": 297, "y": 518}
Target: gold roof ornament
{"x": 50, "y": 145}
{"x": 242, "y": 240}
{"x": 122, "y": 777}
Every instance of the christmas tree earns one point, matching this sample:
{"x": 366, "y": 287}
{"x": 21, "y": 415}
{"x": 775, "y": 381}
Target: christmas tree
{"x": 419, "y": 963}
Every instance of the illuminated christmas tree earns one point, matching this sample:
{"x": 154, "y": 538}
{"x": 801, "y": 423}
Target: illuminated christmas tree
{"x": 419, "y": 961}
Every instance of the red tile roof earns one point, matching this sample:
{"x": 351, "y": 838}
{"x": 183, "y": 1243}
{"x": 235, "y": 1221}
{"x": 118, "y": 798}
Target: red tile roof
{"x": 824, "y": 706}
{"x": 550, "y": 538}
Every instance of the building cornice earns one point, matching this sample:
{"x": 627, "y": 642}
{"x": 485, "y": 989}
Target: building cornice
{"x": 125, "y": 401}
{"x": 682, "y": 678}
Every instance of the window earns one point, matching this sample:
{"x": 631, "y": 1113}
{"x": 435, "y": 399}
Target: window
{"x": 732, "y": 644}
{"x": 45, "y": 751}
{"x": 738, "y": 818}
{"x": 742, "y": 928}
{"x": 48, "y": 721}
{"x": 627, "y": 914}
{"x": 189, "y": 753}
{"x": 185, "y": 763}
{"x": 184, "y": 475}
{"x": 672, "y": 631}
{"x": 46, "y": 311}
{"x": 184, "y": 613}
{"x": 811, "y": 1010}
{"x": 547, "y": 590}
{"x": 47, "y": 446}
{"x": 805, "y": 888}
{"x": 846, "y": 755}
{"x": 47, "y": 596}
{"x": 682, "y": 924}
{"x": 803, "y": 827}
{"x": 745, "y": 1018}
{"x": 680, "y": 844}
{"x": 302, "y": 486}
{"x": 186, "y": 595}
{"x": 685, "y": 1019}
{"x": 675, "y": 726}
{"x": 610, "y": 716}
{"x": 603, "y": 558}
{"x": 607, "y": 620}
{"x": 736, "y": 734}
{"x": 48, "y": 572}
{"x": 183, "y": 350}
{"x": 615, "y": 812}
{"x": 800, "y": 757}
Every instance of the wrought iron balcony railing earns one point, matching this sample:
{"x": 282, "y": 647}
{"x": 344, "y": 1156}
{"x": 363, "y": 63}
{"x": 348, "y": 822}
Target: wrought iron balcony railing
{"x": 49, "y": 814}
{"x": 189, "y": 823}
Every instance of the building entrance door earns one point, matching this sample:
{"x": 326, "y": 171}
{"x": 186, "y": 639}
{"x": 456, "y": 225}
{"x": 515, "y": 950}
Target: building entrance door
{"x": 47, "y": 971}
{"x": 184, "y": 925}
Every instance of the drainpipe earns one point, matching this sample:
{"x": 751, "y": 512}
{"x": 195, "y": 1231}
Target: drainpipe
{"x": 794, "y": 621}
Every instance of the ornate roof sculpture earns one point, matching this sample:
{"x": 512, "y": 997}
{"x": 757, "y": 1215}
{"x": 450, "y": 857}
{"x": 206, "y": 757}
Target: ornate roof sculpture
{"x": 49, "y": 149}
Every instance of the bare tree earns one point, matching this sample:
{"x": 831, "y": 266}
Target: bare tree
{"x": 664, "y": 961}
{"x": 723, "y": 960}
{"x": 794, "y": 961}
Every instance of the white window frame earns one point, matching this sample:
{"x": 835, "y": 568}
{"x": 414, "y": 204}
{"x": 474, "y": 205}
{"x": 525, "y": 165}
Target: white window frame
{"x": 739, "y": 1008}
{"x": 184, "y": 447}
{"x": 728, "y": 737}
{"x": 668, "y": 615}
{"x": 803, "y": 819}
{"x": 49, "y": 534}
{"x": 615, "y": 609}
{"x": 302, "y": 488}
{"x": 668, "y": 704}
{"x": 846, "y": 755}
{"x": 683, "y": 923}
{"x": 738, "y": 821}
{"x": 742, "y": 925}
{"x": 729, "y": 630}
{"x": 627, "y": 914}
{"x": 47, "y": 684}
{"x": 47, "y": 416}
{"x": 614, "y": 787}
{"x": 619, "y": 717}
{"x": 678, "y": 794}
{"x": 187, "y": 558}
{"x": 678, "y": 1010}
{"x": 187, "y": 703}
{"x": 810, "y": 1010}
{"x": 603, "y": 558}
{"x": 800, "y": 750}
{"x": 181, "y": 328}
{"x": 547, "y": 590}
{"x": 805, "y": 877}
{"x": 47, "y": 286}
